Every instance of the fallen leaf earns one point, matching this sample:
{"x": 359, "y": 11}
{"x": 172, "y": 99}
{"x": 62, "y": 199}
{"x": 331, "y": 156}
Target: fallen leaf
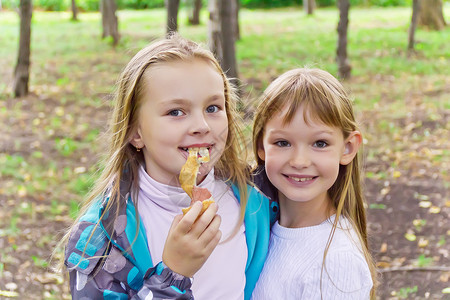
{"x": 434, "y": 210}
{"x": 59, "y": 111}
{"x": 9, "y": 294}
{"x": 423, "y": 243}
{"x": 424, "y": 204}
{"x": 11, "y": 286}
{"x": 446, "y": 290}
{"x": 383, "y": 264}
{"x": 79, "y": 170}
{"x": 410, "y": 237}
{"x": 447, "y": 203}
{"x": 47, "y": 278}
{"x": 421, "y": 197}
{"x": 383, "y": 248}
{"x": 397, "y": 174}
{"x": 385, "y": 191}
{"x": 444, "y": 277}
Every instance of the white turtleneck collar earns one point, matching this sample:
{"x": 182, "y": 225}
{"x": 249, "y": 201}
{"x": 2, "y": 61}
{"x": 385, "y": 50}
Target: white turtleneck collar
{"x": 159, "y": 193}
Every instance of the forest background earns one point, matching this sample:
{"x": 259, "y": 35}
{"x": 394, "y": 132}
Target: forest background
{"x": 51, "y": 139}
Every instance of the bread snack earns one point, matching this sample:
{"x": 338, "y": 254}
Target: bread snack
{"x": 188, "y": 179}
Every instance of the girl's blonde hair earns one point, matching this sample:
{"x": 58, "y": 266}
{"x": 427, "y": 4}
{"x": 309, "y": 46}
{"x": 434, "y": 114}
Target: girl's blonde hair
{"x": 122, "y": 161}
{"x": 324, "y": 99}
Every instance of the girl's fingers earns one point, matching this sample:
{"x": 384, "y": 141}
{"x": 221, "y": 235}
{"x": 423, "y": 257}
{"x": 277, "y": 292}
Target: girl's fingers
{"x": 210, "y": 233}
{"x": 213, "y": 243}
{"x": 203, "y": 221}
{"x": 189, "y": 218}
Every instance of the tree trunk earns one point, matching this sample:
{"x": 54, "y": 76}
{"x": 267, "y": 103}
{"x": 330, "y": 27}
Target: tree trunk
{"x": 229, "y": 64}
{"x": 412, "y": 27}
{"x": 74, "y": 11}
{"x": 431, "y": 14}
{"x": 235, "y": 7}
{"x": 214, "y": 29}
{"x": 172, "y": 15}
{"x": 194, "y": 15}
{"x": 109, "y": 20}
{"x": 344, "y": 67}
{"x": 309, "y": 6}
{"x": 22, "y": 70}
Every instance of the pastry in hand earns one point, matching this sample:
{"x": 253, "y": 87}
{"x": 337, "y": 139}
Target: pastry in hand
{"x": 188, "y": 179}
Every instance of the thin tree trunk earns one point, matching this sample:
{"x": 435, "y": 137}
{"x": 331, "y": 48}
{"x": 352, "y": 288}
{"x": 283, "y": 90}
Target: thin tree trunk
{"x": 22, "y": 70}
{"x": 431, "y": 14}
{"x": 229, "y": 63}
{"x": 74, "y": 11}
{"x": 309, "y": 6}
{"x": 344, "y": 67}
{"x": 214, "y": 29}
{"x": 109, "y": 20}
{"x": 196, "y": 6}
{"x": 235, "y": 7}
{"x": 413, "y": 26}
{"x": 172, "y": 15}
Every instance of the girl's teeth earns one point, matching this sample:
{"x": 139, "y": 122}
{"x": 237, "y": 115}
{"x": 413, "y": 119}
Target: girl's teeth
{"x": 300, "y": 179}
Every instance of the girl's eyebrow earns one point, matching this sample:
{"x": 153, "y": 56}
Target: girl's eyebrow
{"x": 325, "y": 132}
{"x": 181, "y": 101}
{"x": 176, "y": 101}
{"x": 276, "y": 131}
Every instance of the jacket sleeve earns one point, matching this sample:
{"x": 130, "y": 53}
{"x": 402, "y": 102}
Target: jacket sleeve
{"x": 99, "y": 270}
{"x": 160, "y": 283}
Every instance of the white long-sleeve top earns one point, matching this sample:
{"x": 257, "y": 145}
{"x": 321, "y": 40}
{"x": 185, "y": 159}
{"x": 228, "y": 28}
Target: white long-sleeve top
{"x": 294, "y": 263}
{"x": 223, "y": 274}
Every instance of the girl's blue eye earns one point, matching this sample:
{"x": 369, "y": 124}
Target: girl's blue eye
{"x": 212, "y": 109}
{"x": 282, "y": 144}
{"x": 175, "y": 113}
{"x": 320, "y": 144}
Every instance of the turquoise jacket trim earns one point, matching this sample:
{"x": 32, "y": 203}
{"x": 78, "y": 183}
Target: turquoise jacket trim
{"x": 257, "y": 221}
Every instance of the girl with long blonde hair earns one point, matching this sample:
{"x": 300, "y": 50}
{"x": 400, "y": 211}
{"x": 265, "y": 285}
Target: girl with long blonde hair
{"x": 306, "y": 143}
{"x": 130, "y": 240}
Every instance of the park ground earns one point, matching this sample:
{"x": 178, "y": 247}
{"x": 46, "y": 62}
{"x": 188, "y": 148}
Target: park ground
{"x": 51, "y": 140}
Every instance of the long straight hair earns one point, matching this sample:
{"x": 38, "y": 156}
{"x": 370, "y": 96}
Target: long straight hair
{"x": 122, "y": 161}
{"x": 324, "y": 99}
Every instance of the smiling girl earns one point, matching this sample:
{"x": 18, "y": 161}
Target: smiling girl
{"x": 306, "y": 142}
{"x": 131, "y": 242}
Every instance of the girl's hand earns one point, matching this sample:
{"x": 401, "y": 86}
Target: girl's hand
{"x": 191, "y": 240}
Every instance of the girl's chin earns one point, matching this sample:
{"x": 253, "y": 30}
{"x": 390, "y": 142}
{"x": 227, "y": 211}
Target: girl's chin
{"x": 203, "y": 172}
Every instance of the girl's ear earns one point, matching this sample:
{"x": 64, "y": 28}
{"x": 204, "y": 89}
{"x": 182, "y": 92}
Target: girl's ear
{"x": 351, "y": 147}
{"x": 136, "y": 139}
{"x": 261, "y": 152}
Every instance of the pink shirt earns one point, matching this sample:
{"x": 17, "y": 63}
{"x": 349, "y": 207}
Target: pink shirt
{"x": 223, "y": 274}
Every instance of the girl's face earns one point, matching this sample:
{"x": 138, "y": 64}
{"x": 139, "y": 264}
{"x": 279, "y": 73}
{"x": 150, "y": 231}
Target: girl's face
{"x": 302, "y": 160}
{"x": 183, "y": 106}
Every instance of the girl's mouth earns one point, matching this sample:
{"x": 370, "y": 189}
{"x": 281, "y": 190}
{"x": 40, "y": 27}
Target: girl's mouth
{"x": 304, "y": 179}
{"x": 301, "y": 180}
{"x": 203, "y": 152}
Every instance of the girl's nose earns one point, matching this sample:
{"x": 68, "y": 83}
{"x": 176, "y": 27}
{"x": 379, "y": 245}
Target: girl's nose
{"x": 200, "y": 125}
{"x": 299, "y": 159}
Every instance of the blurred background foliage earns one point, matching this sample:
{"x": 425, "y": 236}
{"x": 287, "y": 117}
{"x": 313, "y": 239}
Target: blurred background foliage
{"x": 93, "y": 5}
